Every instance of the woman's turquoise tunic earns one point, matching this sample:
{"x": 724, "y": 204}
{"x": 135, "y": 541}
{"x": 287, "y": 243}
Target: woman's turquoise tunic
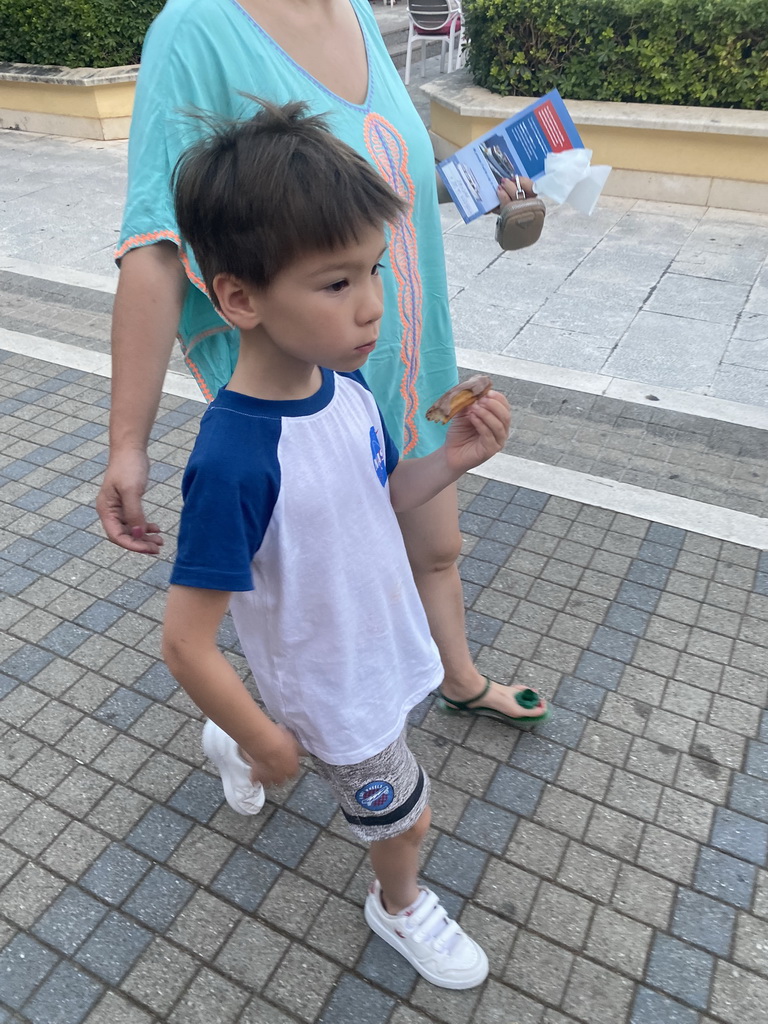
{"x": 204, "y": 54}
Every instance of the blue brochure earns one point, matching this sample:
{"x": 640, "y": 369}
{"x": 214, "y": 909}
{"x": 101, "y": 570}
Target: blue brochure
{"x": 519, "y": 145}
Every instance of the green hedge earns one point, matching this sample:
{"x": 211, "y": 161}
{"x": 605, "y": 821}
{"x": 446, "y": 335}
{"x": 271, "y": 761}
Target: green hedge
{"x": 75, "y": 33}
{"x": 709, "y": 53}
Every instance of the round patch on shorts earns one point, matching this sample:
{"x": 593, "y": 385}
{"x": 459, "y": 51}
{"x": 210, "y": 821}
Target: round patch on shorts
{"x": 375, "y": 796}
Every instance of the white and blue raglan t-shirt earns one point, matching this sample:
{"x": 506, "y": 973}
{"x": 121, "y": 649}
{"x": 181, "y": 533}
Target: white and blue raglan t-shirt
{"x": 286, "y": 505}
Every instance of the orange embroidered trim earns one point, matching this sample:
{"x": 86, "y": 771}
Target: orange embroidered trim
{"x": 137, "y": 241}
{"x": 199, "y": 378}
{"x": 390, "y": 155}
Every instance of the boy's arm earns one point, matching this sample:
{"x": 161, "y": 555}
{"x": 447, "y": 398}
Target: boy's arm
{"x": 192, "y": 618}
{"x": 477, "y": 433}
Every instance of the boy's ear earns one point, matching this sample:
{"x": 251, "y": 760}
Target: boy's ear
{"x": 237, "y": 301}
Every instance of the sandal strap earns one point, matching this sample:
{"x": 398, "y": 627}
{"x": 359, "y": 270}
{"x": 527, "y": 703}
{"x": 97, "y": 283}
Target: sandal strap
{"x": 463, "y": 705}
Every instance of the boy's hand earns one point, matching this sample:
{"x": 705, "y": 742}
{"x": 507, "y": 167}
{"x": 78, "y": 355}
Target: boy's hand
{"x": 278, "y": 758}
{"x": 478, "y": 432}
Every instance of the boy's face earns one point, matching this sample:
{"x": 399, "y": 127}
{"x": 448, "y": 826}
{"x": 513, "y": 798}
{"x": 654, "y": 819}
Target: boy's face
{"x": 325, "y": 308}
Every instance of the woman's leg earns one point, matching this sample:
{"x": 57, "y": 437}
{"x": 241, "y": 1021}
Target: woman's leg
{"x": 433, "y": 542}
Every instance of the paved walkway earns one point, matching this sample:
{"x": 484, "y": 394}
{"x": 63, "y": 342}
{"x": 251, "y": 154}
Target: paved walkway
{"x": 613, "y": 864}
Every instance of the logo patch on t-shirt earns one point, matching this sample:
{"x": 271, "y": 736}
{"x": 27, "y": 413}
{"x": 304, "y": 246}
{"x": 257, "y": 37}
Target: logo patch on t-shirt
{"x": 379, "y": 462}
{"x": 376, "y": 795}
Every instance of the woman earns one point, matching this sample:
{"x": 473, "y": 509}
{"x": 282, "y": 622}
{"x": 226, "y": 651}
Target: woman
{"x": 330, "y": 54}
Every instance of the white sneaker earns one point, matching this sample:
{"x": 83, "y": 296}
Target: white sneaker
{"x": 429, "y": 940}
{"x": 242, "y": 795}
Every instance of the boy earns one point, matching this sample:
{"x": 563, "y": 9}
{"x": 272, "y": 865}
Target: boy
{"x": 290, "y": 497}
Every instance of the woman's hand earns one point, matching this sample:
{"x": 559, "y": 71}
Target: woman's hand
{"x": 119, "y": 504}
{"x": 478, "y": 432}
{"x": 507, "y": 190}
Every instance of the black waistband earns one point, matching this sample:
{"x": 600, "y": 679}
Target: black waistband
{"x": 399, "y": 812}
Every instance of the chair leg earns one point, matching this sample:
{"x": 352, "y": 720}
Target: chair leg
{"x": 423, "y": 58}
{"x": 408, "y": 54}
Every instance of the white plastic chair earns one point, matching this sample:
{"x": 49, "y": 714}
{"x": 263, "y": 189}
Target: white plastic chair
{"x": 433, "y": 20}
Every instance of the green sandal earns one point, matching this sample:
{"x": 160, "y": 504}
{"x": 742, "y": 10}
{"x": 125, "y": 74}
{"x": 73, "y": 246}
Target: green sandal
{"x": 525, "y": 698}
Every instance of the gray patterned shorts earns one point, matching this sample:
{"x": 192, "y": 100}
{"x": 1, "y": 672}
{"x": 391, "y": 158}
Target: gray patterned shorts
{"x": 382, "y": 796}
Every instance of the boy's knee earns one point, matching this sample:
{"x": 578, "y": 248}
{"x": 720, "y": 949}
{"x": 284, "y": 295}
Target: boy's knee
{"x": 420, "y": 827}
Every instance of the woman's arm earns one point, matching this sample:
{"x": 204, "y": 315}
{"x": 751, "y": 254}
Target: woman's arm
{"x": 150, "y": 293}
{"x": 192, "y": 618}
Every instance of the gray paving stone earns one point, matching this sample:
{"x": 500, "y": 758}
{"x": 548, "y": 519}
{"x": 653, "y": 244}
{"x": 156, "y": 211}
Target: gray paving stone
{"x": 292, "y": 904}
{"x": 287, "y": 991}
{"x": 750, "y": 796}
{"x": 757, "y": 760}
{"x": 537, "y": 757}
{"x": 724, "y": 877}
{"x": 515, "y": 790}
{"x": 644, "y": 896}
{"x": 455, "y": 865}
{"x": 64, "y": 998}
{"x": 539, "y": 968}
{"x": 286, "y": 838}
{"x": 114, "y": 1009}
{"x": 653, "y": 1008}
{"x": 738, "y": 995}
{"x": 589, "y": 872}
{"x": 159, "y": 898}
{"x": 69, "y": 920}
{"x": 115, "y": 873}
{"x": 596, "y": 995}
{"x": 537, "y": 847}
{"x": 199, "y": 796}
{"x": 332, "y": 861}
{"x": 313, "y": 799}
{"x": 355, "y": 1002}
{"x": 681, "y": 971}
{"x": 615, "y": 833}
{"x": 245, "y": 879}
{"x": 159, "y": 833}
{"x": 561, "y": 915}
{"x": 741, "y": 836}
{"x": 486, "y": 826}
{"x": 653, "y": 760}
{"x": 498, "y": 1002}
{"x": 237, "y": 955}
{"x": 507, "y": 891}
{"x": 113, "y": 948}
{"x": 210, "y": 997}
{"x": 160, "y": 976}
{"x": 563, "y": 811}
{"x": 685, "y": 814}
{"x": 750, "y": 945}
{"x": 619, "y": 942}
{"x": 24, "y": 963}
{"x": 704, "y": 922}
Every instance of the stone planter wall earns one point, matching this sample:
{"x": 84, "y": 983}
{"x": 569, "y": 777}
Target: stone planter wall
{"x": 85, "y": 103}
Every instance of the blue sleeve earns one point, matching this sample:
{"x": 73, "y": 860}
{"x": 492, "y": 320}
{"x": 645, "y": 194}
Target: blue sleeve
{"x": 230, "y": 487}
{"x": 391, "y": 451}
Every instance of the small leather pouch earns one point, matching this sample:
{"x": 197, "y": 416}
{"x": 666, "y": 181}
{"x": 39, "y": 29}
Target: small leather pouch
{"x": 520, "y": 222}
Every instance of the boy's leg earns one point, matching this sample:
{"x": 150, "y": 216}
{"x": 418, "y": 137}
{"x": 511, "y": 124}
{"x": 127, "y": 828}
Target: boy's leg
{"x": 384, "y": 800}
{"x": 395, "y": 863}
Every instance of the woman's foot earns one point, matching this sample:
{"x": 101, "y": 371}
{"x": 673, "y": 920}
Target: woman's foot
{"x": 517, "y": 705}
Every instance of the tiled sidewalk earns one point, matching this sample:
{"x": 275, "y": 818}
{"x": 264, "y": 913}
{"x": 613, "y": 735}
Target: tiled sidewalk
{"x": 613, "y": 864}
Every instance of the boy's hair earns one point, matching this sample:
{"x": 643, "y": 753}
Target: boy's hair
{"x": 253, "y": 196}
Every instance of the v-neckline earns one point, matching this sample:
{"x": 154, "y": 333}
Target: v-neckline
{"x": 306, "y": 74}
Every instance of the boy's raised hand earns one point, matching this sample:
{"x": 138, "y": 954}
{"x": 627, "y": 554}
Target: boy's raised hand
{"x": 478, "y": 432}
